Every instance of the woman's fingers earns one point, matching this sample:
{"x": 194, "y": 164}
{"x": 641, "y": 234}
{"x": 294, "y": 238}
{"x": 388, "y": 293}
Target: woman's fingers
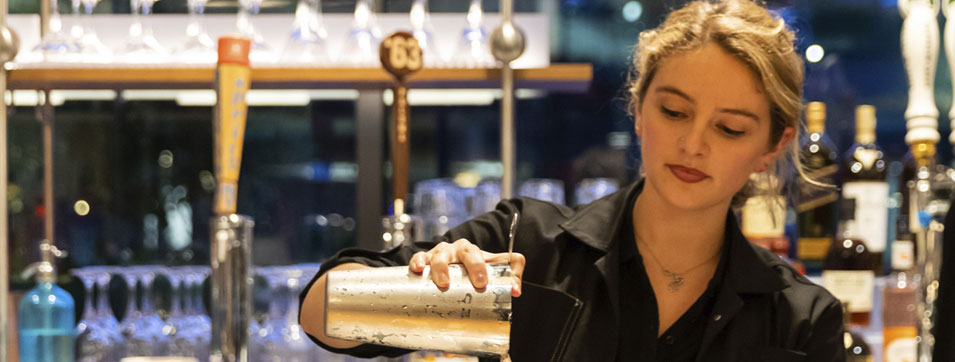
{"x": 442, "y": 256}
{"x": 418, "y": 261}
{"x": 517, "y": 262}
{"x": 473, "y": 260}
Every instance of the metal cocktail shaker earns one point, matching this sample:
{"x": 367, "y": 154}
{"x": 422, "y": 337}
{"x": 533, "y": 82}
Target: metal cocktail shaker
{"x": 396, "y": 307}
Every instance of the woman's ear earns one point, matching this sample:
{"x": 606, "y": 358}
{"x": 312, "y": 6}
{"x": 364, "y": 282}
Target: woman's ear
{"x": 788, "y": 134}
{"x": 637, "y": 120}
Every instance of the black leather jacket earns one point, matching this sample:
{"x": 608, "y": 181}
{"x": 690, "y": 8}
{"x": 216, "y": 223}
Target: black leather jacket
{"x": 569, "y": 310}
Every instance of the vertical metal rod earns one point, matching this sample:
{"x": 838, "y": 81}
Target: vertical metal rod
{"x": 46, "y": 118}
{"x": 4, "y": 233}
{"x": 45, "y": 12}
{"x": 508, "y": 153}
{"x": 369, "y": 115}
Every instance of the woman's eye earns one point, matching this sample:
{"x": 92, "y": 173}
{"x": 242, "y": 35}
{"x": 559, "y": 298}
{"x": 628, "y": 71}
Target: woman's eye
{"x": 731, "y": 132}
{"x": 671, "y": 113}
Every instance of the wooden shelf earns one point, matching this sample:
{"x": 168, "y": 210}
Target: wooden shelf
{"x": 556, "y": 77}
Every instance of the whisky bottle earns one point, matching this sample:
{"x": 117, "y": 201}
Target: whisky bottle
{"x": 864, "y": 180}
{"x": 857, "y": 350}
{"x": 899, "y": 317}
{"x": 848, "y": 268}
{"x": 816, "y": 205}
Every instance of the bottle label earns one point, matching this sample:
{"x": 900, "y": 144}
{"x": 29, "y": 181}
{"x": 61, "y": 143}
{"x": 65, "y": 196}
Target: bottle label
{"x": 764, "y": 217}
{"x": 811, "y": 196}
{"x": 813, "y": 248}
{"x": 866, "y": 157}
{"x": 903, "y": 255}
{"x": 871, "y": 212}
{"x": 900, "y": 346}
{"x": 853, "y": 286}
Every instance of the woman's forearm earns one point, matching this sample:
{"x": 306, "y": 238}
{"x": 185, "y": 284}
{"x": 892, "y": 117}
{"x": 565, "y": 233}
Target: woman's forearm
{"x": 313, "y": 311}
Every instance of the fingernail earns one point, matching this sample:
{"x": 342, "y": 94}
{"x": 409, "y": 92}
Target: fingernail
{"x": 480, "y": 278}
{"x": 442, "y": 279}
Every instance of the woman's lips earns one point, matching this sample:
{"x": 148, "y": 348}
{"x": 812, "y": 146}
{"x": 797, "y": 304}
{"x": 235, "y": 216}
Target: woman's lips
{"x": 687, "y": 174}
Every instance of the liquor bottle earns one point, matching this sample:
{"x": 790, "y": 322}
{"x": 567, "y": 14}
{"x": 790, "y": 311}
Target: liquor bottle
{"x": 847, "y": 270}
{"x": 816, "y": 205}
{"x": 899, "y": 317}
{"x": 856, "y": 348}
{"x": 764, "y": 223}
{"x": 45, "y": 319}
{"x": 864, "y": 180}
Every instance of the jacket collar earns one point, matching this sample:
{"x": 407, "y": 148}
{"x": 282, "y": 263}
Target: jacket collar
{"x": 746, "y": 271}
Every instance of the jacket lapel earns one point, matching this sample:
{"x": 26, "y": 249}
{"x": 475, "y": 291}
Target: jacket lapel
{"x": 746, "y": 273}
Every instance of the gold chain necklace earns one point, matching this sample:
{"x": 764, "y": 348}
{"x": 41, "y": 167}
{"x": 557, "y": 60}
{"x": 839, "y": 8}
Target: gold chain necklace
{"x": 676, "y": 278}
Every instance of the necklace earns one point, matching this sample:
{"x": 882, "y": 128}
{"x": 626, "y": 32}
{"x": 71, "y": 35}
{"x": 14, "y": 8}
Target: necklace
{"x": 676, "y": 278}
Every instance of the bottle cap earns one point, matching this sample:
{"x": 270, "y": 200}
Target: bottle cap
{"x": 234, "y": 50}
{"x": 816, "y": 117}
{"x": 865, "y": 124}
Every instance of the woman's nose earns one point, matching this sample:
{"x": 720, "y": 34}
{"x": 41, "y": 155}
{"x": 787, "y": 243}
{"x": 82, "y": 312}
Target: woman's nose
{"x": 694, "y": 142}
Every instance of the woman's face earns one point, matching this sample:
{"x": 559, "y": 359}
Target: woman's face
{"x": 704, "y": 128}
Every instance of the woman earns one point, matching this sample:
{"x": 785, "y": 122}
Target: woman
{"x": 658, "y": 271}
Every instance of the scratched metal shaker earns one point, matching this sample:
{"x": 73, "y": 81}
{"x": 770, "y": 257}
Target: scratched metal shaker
{"x": 396, "y": 307}
{"x": 231, "y": 304}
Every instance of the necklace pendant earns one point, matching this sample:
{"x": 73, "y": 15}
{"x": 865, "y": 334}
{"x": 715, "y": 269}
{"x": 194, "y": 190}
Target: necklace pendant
{"x": 676, "y": 280}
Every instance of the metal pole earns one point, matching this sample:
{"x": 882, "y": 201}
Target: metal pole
{"x": 9, "y": 44}
{"x": 508, "y": 139}
{"x": 4, "y": 234}
{"x": 46, "y": 118}
{"x": 507, "y": 44}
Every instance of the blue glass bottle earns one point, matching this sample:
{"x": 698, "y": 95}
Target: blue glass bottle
{"x": 45, "y": 321}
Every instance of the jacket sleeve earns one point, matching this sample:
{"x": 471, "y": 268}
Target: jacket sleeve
{"x": 487, "y": 231}
{"x": 826, "y": 343}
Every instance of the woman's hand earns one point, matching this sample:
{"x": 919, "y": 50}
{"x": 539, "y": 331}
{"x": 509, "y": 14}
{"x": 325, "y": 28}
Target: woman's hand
{"x": 474, "y": 260}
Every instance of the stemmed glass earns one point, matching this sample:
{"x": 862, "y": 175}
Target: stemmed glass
{"x": 473, "y": 50}
{"x": 141, "y": 46}
{"x": 543, "y": 189}
{"x": 142, "y": 328}
{"x": 361, "y": 48}
{"x": 269, "y": 339}
{"x": 307, "y": 44}
{"x": 104, "y": 313}
{"x": 438, "y": 205}
{"x": 422, "y": 30}
{"x": 594, "y": 188}
{"x": 178, "y": 324}
{"x": 92, "y": 340}
{"x": 93, "y": 50}
{"x": 298, "y": 348}
{"x": 56, "y": 44}
{"x": 248, "y": 9}
{"x": 200, "y": 329}
{"x": 487, "y": 194}
{"x": 199, "y": 46}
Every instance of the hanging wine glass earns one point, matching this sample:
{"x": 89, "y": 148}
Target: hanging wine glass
{"x": 92, "y": 48}
{"x": 57, "y": 45}
{"x": 473, "y": 49}
{"x": 307, "y": 43}
{"x": 260, "y": 51}
{"x": 141, "y": 46}
{"x": 199, "y": 46}
{"x": 361, "y": 48}
{"x": 422, "y": 30}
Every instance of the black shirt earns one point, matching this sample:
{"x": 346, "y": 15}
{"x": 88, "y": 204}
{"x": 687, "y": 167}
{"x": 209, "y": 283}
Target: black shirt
{"x": 571, "y": 307}
{"x": 640, "y": 316}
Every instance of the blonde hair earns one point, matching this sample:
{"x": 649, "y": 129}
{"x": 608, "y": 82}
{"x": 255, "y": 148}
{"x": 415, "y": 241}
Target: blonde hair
{"x": 751, "y": 34}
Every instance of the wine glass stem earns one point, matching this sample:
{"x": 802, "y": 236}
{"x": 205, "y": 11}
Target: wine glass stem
{"x": 88, "y": 311}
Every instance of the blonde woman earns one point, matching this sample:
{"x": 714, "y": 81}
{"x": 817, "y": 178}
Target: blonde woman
{"x": 658, "y": 271}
